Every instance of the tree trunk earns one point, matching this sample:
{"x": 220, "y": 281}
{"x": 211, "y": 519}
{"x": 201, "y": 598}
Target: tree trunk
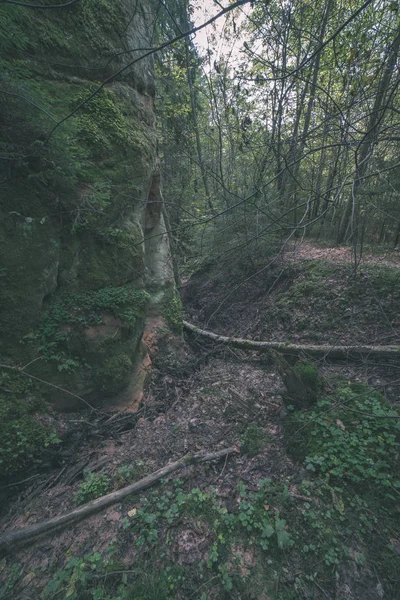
{"x": 23, "y": 536}
{"x": 325, "y": 351}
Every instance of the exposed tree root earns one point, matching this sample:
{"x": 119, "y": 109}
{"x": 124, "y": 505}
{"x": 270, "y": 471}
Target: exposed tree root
{"x": 24, "y": 536}
{"x": 324, "y": 351}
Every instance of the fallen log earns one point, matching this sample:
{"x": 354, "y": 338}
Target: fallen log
{"x": 24, "y": 536}
{"x": 285, "y": 348}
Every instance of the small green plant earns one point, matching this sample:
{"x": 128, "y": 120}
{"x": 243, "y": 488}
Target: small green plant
{"x": 131, "y": 472}
{"x": 90, "y": 576}
{"x": 349, "y": 438}
{"x": 253, "y": 440}
{"x": 93, "y": 486}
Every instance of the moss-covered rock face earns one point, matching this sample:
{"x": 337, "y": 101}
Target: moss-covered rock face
{"x": 74, "y": 266}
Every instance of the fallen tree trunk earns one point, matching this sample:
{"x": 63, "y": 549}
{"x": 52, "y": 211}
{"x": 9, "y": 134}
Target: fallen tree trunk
{"x": 20, "y": 537}
{"x": 324, "y": 351}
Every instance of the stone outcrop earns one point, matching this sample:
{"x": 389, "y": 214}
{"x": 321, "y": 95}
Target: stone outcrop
{"x": 84, "y": 256}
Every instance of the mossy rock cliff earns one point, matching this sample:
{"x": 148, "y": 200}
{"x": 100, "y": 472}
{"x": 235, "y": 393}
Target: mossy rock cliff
{"x": 75, "y": 268}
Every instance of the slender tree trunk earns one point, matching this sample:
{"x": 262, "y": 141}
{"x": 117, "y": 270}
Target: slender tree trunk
{"x": 196, "y": 126}
{"x": 299, "y": 148}
{"x": 366, "y": 147}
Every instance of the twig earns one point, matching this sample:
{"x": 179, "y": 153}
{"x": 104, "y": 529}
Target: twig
{"x": 223, "y": 468}
{"x": 360, "y": 412}
{"x": 40, "y": 6}
{"x": 57, "y": 387}
{"x": 3, "y": 487}
{"x": 322, "y": 590}
{"x": 29, "y": 363}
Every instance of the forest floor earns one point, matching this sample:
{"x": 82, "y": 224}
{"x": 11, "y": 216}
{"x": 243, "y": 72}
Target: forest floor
{"x": 343, "y": 254}
{"x": 264, "y": 523}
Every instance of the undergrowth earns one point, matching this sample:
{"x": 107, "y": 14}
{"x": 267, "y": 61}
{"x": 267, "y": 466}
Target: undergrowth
{"x": 351, "y": 436}
{"x": 284, "y": 539}
{"x": 23, "y": 438}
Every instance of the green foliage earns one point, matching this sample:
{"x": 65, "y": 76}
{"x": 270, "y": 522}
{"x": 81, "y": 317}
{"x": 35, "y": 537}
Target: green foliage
{"x": 76, "y": 312}
{"x": 308, "y": 528}
{"x": 103, "y": 577}
{"x": 153, "y": 584}
{"x": 23, "y": 438}
{"x": 348, "y": 438}
{"x": 87, "y": 577}
{"x": 22, "y": 442}
{"x": 253, "y": 440}
{"x": 248, "y": 523}
{"x": 93, "y": 486}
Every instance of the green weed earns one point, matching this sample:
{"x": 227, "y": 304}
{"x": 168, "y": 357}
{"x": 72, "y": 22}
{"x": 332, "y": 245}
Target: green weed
{"x": 93, "y": 486}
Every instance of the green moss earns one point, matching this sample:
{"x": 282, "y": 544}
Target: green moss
{"x": 103, "y": 261}
{"x": 308, "y": 374}
{"x": 101, "y": 22}
{"x": 69, "y": 222}
{"x": 89, "y": 30}
{"x": 253, "y": 440}
{"x": 29, "y": 270}
{"x": 100, "y": 122}
{"x": 320, "y": 269}
{"x": 385, "y": 280}
{"x": 81, "y": 348}
{"x": 172, "y": 311}
{"x": 112, "y": 377}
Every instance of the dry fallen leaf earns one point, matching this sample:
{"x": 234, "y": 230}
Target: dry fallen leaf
{"x": 27, "y": 579}
{"x": 132, "y": 512}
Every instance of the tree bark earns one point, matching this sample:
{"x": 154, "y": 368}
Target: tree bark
{"x": 19, "y": 537}
{"x": 326, "y": 351}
